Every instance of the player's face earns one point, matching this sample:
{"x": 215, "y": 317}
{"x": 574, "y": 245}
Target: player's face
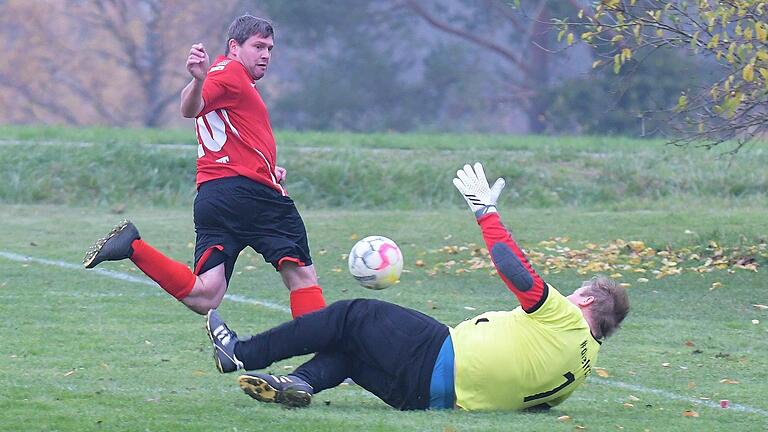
{"x": 254, "y": 54}
{"x": 580, "y": 298}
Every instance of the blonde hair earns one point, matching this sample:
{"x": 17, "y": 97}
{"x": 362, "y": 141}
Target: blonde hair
{"x": 610, "y": 307}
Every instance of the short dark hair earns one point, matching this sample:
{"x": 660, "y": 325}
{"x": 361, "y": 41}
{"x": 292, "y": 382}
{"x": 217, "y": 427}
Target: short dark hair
{"x": 610, "y": 307}
{"x": 245, "y": 26}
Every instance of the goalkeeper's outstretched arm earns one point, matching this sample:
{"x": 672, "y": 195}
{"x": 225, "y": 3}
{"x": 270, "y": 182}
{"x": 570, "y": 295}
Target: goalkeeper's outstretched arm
{"x": 510, "y": 261}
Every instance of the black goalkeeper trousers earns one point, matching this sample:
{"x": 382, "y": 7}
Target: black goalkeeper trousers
{"x": 387, "y": 349}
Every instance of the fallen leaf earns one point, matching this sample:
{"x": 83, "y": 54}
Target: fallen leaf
{"x": 760, "y": 306}
{"x": 665, "y": 365}
{"x": 602, "y": 373}
{"x": 690, "y": 413}
{"x": 728, "y": 381}
{"x": 689, "y": 343}
{"x": 633, "y": 398}
{"x": 420, "y": 263}
{"x": 628, "y": 405}
{"x": 755, "y": 321}
{"x": 564, "y": 418}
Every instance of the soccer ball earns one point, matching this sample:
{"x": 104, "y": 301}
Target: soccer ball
{"x": 376, "y": 262}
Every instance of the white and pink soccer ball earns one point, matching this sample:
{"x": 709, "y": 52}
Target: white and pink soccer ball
{"x": 376, "y": 262}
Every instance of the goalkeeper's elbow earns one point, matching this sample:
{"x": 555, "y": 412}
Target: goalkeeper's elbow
{"x": 509, "y": 265}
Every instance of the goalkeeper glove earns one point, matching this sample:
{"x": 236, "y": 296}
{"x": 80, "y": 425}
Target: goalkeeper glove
{"x": 473, "y": 185}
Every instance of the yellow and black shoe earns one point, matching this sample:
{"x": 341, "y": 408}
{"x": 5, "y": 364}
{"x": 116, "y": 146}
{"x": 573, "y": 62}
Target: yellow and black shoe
{"x": 114, "y": 246}
{"x": 288, "y": 390}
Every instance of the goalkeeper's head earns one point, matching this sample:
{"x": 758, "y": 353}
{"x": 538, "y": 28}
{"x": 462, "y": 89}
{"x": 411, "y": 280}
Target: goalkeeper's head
{"x": 603, "y": 303}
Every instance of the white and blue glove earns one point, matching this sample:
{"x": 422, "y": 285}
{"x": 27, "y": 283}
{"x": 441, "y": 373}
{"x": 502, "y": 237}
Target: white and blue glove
{"x": 473, "y": 185}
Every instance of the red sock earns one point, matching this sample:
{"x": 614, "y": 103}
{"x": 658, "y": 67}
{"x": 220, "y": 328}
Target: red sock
{"x": 172, "y": 276}
{"x": 306, "y": 300}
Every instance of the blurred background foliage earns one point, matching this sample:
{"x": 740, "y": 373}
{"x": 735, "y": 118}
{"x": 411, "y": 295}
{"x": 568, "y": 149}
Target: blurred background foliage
{"x": 347, "y": 65}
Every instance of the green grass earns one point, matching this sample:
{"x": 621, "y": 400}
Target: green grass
{"x": 393, "y": 140}
{"x": 356, "y": 171}
{"x": 82, "y": 351}
{"x": 54, "y": 134}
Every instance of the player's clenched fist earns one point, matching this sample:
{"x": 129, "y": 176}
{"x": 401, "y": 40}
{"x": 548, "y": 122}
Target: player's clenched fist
{"x": 198, "y": 62}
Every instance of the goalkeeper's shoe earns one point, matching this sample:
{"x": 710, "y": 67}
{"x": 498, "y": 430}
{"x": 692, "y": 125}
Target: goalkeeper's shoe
{"x": 224, "y": 341}
{"x": 115, "y": 246}
{"x": 288, "y": 390}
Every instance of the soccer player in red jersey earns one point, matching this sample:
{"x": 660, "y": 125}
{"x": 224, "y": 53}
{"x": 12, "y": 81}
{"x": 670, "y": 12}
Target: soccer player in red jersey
{"x": 531, "y": 357}
{"x": 241, "y": 200}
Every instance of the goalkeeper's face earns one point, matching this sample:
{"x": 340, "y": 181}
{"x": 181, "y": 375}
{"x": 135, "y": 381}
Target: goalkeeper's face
{"x": 254, "y": 54}
{"x": 580, "y": 298}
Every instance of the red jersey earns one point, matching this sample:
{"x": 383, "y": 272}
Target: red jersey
{"x": 233, "y": 132}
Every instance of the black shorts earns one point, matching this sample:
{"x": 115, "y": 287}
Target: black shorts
{"x": 234, "y": 212}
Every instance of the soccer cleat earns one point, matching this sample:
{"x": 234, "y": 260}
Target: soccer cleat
{"x": 224, "y": 341}
{"x": 114, "y": 246}
{"x": 288, "y": 390}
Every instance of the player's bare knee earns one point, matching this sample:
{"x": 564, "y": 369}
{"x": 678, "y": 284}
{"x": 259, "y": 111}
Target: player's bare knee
{"x": 296, "y": 277}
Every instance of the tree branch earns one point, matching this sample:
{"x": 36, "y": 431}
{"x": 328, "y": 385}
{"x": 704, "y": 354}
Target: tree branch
{"x": 490, "y": 45}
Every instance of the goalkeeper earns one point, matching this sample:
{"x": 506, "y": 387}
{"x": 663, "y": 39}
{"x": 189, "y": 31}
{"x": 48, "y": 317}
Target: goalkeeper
{"x": 533, "y": 356}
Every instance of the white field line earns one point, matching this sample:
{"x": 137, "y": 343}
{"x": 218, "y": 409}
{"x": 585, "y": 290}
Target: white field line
{"x": 240, "y": 299}
{"x": 672, "y": 396}
{"x": 130, "y": 278}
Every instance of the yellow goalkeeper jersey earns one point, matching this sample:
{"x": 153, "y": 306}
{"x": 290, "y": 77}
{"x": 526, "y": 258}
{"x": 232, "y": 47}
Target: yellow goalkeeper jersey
{"x": 513, "y": 360}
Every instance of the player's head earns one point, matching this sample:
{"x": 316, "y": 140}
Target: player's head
{"x": 605, "y": 303}
{"x": 250, "y": 40}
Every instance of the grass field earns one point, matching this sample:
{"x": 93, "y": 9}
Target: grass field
{"x": 96, "y": 350}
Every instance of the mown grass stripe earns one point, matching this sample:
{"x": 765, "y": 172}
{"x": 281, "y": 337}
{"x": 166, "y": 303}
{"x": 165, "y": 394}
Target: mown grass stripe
{"x": 130, "y": 278}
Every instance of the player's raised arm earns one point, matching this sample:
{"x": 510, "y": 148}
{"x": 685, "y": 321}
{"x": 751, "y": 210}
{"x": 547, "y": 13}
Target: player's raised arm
{"x": 510, "y": 261}
{"x": 192, "y": 95}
